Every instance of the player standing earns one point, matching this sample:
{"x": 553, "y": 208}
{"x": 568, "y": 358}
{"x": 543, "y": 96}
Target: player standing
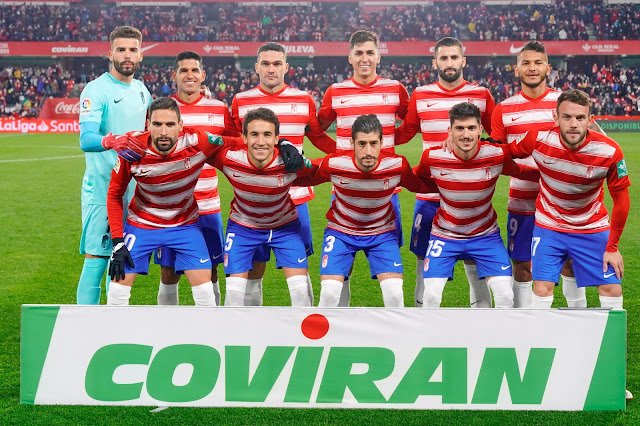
{"x": 361, "y": 215}
{"x": 532, "y": 108}
{"x": 296, "y": 112}
{"x": 365, "y": 93}
{"x": 429, "y": 112}
{"x": 262, "y": 212}
{"x": 210, "y": 115}
{"x": 465, "y": 224}
{"x": 114, "y": 103}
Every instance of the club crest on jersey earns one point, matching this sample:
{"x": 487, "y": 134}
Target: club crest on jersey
{"x": 622, "y": 168}
{"x": 142, "y": 97}
{"x": 187, "y": 163}
{"x": 294, "y": 108}
{"x": 488, "y": 173}
{"x": 280, "y": 180}
{"x": 385, "y": 183}
{"x": 159, "y": 253}
{"x": 589, "y": 172}
{"x": 426, "y": 264}
{"x": 511, "y": 244}
{"x": 385, "y": 99}
{"x": 116, "y": 167}
{"x": 325, "y": 260}
{"x": 226, "y": 260}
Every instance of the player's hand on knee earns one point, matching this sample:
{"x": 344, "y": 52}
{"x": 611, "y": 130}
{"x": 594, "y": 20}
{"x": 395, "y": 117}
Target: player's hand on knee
{"x": 128, "y": 146}
{"x": 615, "y": 260}
{"x": 119, "y": 256}
{"x": 291, "y": 157}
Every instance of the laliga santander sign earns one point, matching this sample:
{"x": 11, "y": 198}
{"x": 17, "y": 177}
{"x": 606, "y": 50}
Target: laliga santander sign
{"x": 39, "y": 126}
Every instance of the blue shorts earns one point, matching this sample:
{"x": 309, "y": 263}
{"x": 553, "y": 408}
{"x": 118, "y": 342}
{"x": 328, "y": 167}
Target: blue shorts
{"x": 423, "y": 215}
{"x": 549, "y": 250}
{"x": 488, "y": 251}
{"x": 242, "y": 242}
{"x": 520, "y": 231}
{"x": 186, "y": 241}
{"x": 211, "y": 227}
{"x": 263, "y": 253}
{"x": 96, "y": 235}
{"x": 340, "y": 249}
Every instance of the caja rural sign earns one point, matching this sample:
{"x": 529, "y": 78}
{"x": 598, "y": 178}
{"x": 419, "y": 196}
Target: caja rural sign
{"x": 336, "y": 358}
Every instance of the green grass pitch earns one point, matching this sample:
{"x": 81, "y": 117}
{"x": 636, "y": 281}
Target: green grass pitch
{"x": 40, "y": 178}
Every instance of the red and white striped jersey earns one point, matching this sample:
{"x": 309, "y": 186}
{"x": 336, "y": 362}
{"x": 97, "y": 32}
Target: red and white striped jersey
{"x": 466, "y": 188}
{"x": 261, "y": 196}
{"x": 209, "y": 115}
{"x": 571, "y": 193}
{"x": 346, "y": 101}
{"x": 165, "y": 183}
{"x": 429, "y": 113}
{"x": 362, "y": 204}
{"x": 295, "y": 110}
{"x": 512, "y": 118}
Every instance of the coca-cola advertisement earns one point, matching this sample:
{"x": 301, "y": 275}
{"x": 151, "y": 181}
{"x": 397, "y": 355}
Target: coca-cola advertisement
{"x": 60, "y": 109}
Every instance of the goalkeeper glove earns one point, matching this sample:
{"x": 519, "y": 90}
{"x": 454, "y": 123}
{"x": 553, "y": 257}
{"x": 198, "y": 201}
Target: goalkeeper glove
{"x": 492, "y": 140}
{"x": 119, "y": 256}
{"x": 127, "y": 146}
{"x": 291, "y": 157}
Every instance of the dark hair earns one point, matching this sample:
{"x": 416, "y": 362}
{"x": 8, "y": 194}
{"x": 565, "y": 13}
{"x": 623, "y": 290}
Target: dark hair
{"x": 447, "y": 41}
{"x": 575, "y": 96}
{"x": 534, "y": 46}
{"x": 366, "y": 123}
{"x": 464, "y": 110}
{"x": 272, "y": 47}
{"x": 362, "y": 36}
{"x": 125, "y": 32}
{"x": 188, "y": 54}
{"x": 164, "y": 103}
{"x": 264, "y": 114}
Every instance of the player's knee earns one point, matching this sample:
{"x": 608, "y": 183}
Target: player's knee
{"x": 522, "y": 271}
{"x": 502, "y": 291}
{"x": 329, "y": 293}
{"x": 168, "y": 275}
{"x": 433, "y": 287}
{"x": 298, "y": 290}
{"x": 610, "y": 290}
{"x": 392, "y": 294}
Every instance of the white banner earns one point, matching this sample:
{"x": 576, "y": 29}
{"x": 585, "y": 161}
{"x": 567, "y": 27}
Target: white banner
{"x": 339, "y": 358}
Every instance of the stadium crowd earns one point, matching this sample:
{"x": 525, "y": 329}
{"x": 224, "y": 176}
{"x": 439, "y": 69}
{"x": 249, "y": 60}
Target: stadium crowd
{"x": 615, "y": 90}
{"x": 324, "y": 22}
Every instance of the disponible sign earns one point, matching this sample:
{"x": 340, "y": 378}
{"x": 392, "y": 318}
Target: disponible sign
{"x": 38, "y": 126}
{"x": 324, "y": 358}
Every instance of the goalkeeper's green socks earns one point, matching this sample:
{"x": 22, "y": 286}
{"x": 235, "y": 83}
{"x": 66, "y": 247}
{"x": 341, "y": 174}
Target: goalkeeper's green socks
{"x": 89, "y": 289}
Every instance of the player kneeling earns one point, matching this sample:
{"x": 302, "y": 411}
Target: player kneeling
{"x": 262, "y": 211}
{"x": 465, "y": 225}
{"x": 361, "y": 215}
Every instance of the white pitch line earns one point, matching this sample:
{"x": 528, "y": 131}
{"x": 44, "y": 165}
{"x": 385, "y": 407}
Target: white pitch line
{"x": 39, "y": 159}
{"x": 158, "y": 409}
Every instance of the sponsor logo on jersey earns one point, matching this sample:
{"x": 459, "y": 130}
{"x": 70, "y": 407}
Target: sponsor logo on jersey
{"x": 622, "y": 169}
{"x": 116, "y": 167}
{"x": 85, "y": 106}
{"x": 214, "y": 139}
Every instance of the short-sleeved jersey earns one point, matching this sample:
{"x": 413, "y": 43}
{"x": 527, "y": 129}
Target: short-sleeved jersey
{"x": 571, "y": 181}
{"x": 429, "y": 113}
{"x": 512, "y": 118}
{"x": 295, "y": 110}
{"x": 466, "y": 189}
{"x": 261, "y": 196}
{"x": 119, "y": 108}
{"x": 209, "y": 115}
{"x": 362, "y": 204}
{"x": 165, "y": 183}
{"x": 346, "y": 101}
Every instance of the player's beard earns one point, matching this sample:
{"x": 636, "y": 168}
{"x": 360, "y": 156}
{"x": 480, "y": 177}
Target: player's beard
{"x": 164, "y": 148}
{"x": 534, "y": 85}
{"x": 125, "y": 72}
{"x": 573, "y": 144}
{"x": 450, "y": 78}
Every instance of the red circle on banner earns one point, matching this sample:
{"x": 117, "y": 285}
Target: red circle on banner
{"x": 315, "y": 326}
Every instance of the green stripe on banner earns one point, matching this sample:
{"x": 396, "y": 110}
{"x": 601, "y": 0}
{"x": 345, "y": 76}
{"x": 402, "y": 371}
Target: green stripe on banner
{"x": 35, "y": 337}
{"x": 606, "y": 391}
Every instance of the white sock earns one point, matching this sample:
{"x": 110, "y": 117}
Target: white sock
{"x": 576, "y": 296}
{"x": 392, "y": 294}
{"x": 479, "y": 294}
{"x": 611, "y": 302}
{"x": 502, "y": 291}
{"x": 522, "y": 293}
{"x": 216, "y": 291}
{"x": 235, "y": 288}
{"x": 118, "y": 294}
{"x": 203, "y": 294}
{"x": 253, "y": 293}
{"x": 330, "y": 293}
{"x": 541, "y": 302}
{"x": 168, "y": 294}
{"x": 299, "y": 290}
{"x": 419, "y": 291}
{"x": 345, "y": 295}
{"x": 433, "y": 288}
{"x": 310, "y": 288}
